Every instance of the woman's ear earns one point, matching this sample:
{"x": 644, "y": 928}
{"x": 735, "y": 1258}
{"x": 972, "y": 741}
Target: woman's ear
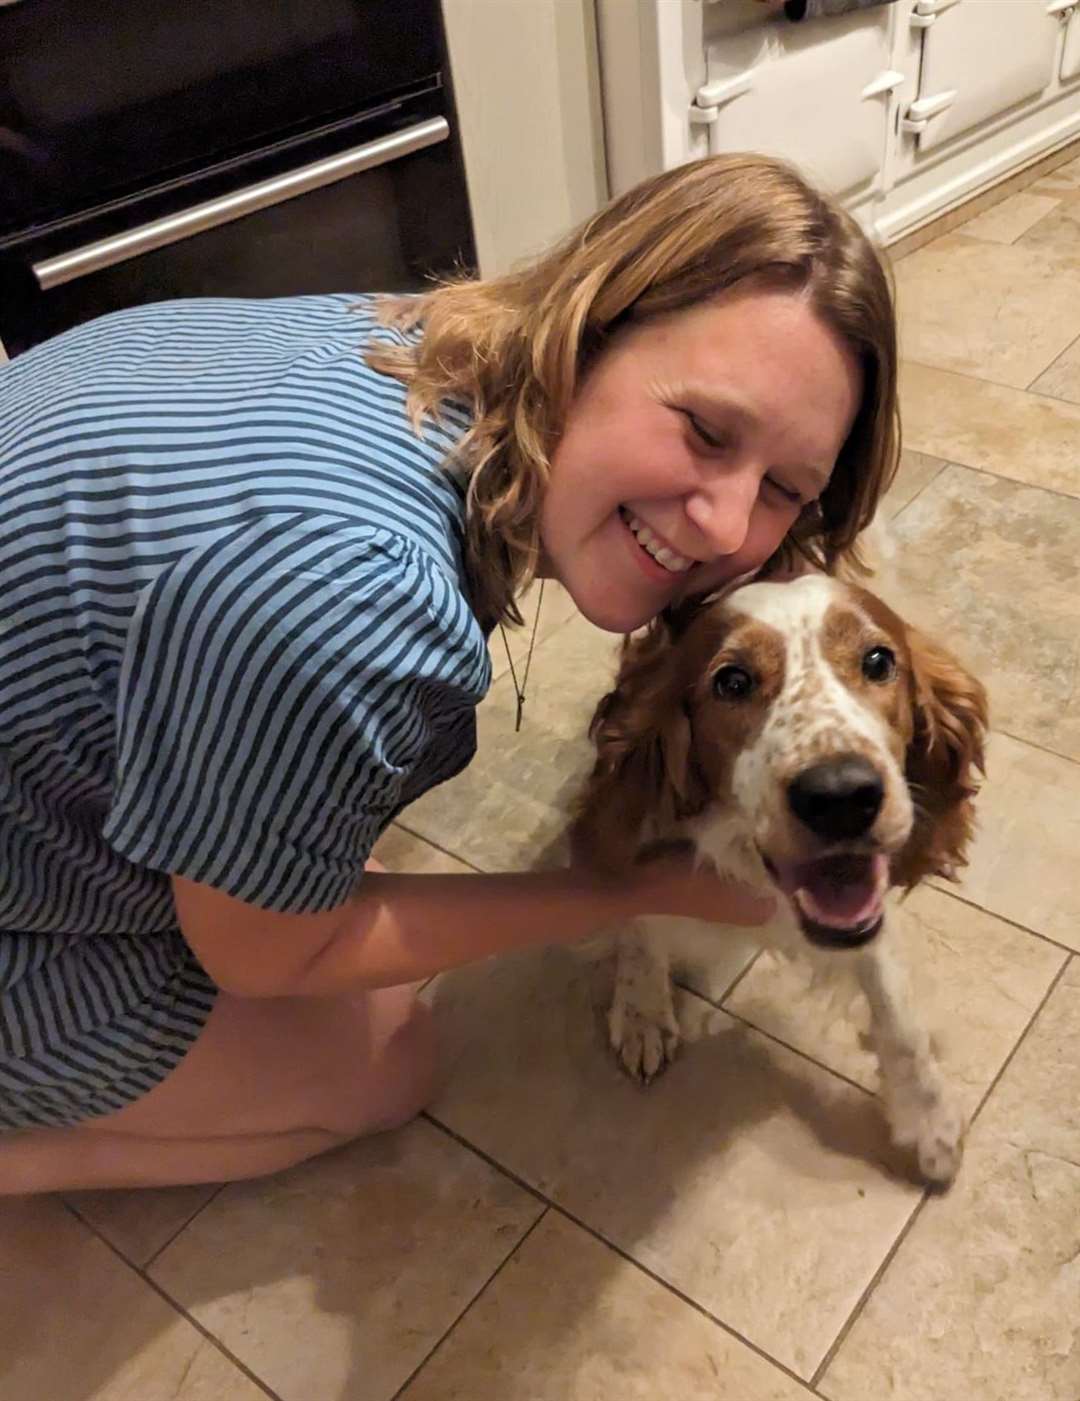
{"x": 644, "y": 761}
{"x": 947, "y": 749}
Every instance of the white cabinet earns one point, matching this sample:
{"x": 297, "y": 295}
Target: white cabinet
{"x": 980, "y": 58}
{"x": 776, "y": 90}
{"x": 1070, "y": 55}
{"x": 904, "y": 110}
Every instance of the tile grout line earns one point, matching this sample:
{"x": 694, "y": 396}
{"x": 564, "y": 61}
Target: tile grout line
{"x": 864, "y": 1298}
{"x": 177, "y": 1308}
{"x": 1034, "y": 744}
{"x": 771, "y": 1036}
{"x": 1074, "y": 342}
{"x": 197, "y": 1212}
{"x": 1012, "y": 923}
{"x": 552, "y": 1205}
{"x": 418, "y": 836}
{"x": 945, "y": 464}
{"x": 1055, "y": 980}
{"x": 988, "y": 472}
{"x": 993, "y": 383}
{"x": 684, "y": 1298}
{"x": 403, "y": 1388}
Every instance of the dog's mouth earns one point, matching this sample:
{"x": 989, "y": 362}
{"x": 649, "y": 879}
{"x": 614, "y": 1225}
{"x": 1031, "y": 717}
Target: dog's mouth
{"x": 838, "y": 899}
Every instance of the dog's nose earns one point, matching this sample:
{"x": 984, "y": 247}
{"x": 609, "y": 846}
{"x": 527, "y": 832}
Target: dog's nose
{"x": 837, "y": 799}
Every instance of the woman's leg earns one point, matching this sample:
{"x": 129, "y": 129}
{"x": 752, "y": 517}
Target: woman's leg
{"x": 269, "y": 1082}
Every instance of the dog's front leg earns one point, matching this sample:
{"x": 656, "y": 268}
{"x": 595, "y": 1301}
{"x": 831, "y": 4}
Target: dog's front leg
{"x": 642, "y": 1025}
{"x": 919, "y": 1104}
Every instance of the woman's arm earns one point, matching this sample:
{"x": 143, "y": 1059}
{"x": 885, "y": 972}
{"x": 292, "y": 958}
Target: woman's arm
{"x": 400, "y": 928}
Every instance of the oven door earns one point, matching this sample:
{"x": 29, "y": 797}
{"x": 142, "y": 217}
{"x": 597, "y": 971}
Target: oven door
{"x": 380, "y": 206}
{"x": 104, "y": 98}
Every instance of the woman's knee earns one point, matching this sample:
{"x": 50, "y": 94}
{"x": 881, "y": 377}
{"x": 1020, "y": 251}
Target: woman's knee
{"x": 398, "y": 1077}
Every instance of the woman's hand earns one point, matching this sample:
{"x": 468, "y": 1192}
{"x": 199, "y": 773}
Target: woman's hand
{"x": 673, "y": 885}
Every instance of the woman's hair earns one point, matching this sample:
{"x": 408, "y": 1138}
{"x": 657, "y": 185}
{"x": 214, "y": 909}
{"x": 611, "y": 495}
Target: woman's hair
{"x": 515, "y": 347}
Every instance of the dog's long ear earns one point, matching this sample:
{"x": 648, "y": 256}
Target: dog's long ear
{"x": 946, "y": 751}
{"x": 644, "y": 762}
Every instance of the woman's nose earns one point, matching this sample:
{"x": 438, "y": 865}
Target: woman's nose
{"x": 721, "y": 511}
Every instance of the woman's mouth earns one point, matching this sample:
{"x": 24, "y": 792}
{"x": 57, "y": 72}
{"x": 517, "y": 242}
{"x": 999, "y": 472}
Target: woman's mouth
{"x": 650, "y": 544}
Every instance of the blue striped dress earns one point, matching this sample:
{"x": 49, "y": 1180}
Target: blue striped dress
{"x": 234, "y": 642}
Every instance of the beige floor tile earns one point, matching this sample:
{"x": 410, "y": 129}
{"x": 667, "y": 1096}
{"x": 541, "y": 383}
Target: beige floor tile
{"x": 1024, "y": 859}
{"x": 556, "y": 608}
{"x": 917, "y": 470}
{"x": 995, "y": 311}
{"x": 139, "y": 1223}
{"x": 983, "y": 1297}
{"x": 606, "y": 1333}
{"x": 510, "y": 808}
{"x": 1007, "y": 602}
{"x": 1005, "y": 222}
{"x": 399, "y": 850}
{"x": 1062, "y": 379}
{"x": 1027, "y": 437}
{"x": 77, "y": 1324}
{"x": 757, "y": 1184}
{"x": 1064, "y": 180}
{"x": 337, "y": 1277}
{"x": 1058, "y": 230}
{"x": 976, "y": 980}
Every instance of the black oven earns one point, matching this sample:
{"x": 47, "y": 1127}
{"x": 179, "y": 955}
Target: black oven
{"x": 165, "y": 148}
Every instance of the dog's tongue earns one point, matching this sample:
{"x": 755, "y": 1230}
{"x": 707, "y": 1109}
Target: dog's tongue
{"x": 843, "y": 891}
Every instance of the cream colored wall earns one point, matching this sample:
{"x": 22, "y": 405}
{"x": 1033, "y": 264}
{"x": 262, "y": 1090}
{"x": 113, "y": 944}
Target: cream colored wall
{"x": 527, "y": 87}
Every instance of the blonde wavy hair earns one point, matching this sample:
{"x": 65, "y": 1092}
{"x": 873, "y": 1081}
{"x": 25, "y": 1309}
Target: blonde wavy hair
{"x": 515, "y": 347}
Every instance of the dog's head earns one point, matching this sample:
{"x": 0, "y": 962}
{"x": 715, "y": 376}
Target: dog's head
{"x": 841, "y": 740}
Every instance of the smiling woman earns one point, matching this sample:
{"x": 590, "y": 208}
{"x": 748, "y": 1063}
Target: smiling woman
{"x": 658, "y": 492}
{"x": 252, "y": 554}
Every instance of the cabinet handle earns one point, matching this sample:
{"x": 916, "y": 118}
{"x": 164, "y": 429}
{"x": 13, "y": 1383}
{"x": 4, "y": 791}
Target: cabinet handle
{"x": 711, "y": 97}
{"x": 118, "y": 248}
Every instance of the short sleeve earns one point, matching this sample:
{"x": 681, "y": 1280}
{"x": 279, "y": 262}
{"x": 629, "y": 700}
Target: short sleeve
{"x": 284, "y": 691}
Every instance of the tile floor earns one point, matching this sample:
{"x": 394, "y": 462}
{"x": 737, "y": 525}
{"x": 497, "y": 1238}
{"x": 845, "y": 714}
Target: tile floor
{"x": 549, "y": 1232}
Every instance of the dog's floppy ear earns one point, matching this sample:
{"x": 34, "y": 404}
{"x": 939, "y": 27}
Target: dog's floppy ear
{"x": 946, "y": 751}
{"x": 644, "y": 762}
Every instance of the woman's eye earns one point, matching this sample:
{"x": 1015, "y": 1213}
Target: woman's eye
{"x": 879, "y": 664}
{"x": 788, "y": 493}
{"x": 712, "y": 438}
{"x": 733, "y": 682}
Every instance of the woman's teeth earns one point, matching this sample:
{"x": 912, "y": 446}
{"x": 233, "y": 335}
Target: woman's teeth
{"x": 676, "y": 563}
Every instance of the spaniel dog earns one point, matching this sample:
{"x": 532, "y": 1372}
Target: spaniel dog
{"x": 804, "y": 740}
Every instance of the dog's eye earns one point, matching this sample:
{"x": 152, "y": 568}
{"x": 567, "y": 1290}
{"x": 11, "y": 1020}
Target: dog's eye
{"x": 733, "y": 682}
{"x": 879, "y": 664}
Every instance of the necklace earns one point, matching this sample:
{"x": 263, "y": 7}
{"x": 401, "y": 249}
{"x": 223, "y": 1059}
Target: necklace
{"x": 519, "y": 691}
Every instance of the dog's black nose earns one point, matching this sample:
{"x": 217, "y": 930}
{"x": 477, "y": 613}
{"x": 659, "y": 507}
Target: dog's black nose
{"x": 837, "y": 799}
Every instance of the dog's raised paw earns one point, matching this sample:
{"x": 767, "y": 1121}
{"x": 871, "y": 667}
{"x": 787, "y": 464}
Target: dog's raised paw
{"x": 940, "y": 1142}
{"x": 644, "y": 1044}
{"x": 935, "y": 1132}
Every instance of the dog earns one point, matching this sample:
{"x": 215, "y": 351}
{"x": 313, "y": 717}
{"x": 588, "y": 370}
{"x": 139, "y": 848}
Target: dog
{"x": 804, "y": 740}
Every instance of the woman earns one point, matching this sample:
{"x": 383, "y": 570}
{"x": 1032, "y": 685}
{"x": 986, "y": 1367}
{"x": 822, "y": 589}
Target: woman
{"x": 250, "y": 554}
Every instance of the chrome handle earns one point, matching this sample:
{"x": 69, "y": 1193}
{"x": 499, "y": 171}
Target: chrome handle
{"x": 66, "y": 267}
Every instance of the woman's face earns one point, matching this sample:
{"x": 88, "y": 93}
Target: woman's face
{"x": 692, "y": 445}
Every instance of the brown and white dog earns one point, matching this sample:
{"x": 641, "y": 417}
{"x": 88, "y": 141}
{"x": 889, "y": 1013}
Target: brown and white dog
{"x": 805, "y": 740}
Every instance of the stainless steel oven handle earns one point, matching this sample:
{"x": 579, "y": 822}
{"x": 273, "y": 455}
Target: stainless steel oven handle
{"x": 66, "y": 267}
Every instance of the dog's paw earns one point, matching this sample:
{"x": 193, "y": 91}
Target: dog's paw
{"x": 940, "y": 1144}
{"x": 644, "y": 1043}
{"x": 935, "y": 1132}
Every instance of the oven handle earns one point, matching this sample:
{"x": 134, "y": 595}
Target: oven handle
{"x": 66, "y": 267}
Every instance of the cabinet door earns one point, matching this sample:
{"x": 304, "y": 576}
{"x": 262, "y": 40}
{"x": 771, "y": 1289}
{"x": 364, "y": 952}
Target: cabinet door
{"x": 992, "y": 54}
{"x": 804, "y": 96}
{"x": 1070, "y": 59}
